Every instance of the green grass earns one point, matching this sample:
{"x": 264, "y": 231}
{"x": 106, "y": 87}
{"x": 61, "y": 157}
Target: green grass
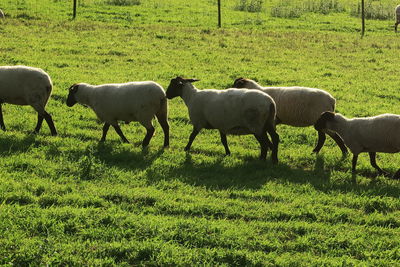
{"x": 69, "y": 200}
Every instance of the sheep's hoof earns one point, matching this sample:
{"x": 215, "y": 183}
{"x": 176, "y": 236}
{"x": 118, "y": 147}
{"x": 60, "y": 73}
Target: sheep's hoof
{"x": 186, "y": 149}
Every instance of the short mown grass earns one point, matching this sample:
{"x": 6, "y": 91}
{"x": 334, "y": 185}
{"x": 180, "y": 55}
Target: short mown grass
{"x": 70, "y": 200}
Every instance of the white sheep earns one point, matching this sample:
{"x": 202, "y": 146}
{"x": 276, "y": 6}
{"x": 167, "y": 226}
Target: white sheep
{"x": 22, "y": 85}
{"x": 298, "y": 106}
{"x": 371, "y": 134}
{"x": 231, "y": 111}
{"x": 397, "y": 13}
{"x": 133, "y": 101}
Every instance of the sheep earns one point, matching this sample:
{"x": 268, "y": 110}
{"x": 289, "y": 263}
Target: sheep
{"x": 397, "y": 12}
{"x": 132, "y": 101}
{"x": 22, "y": 85}
{"x": 370, "y": 134}
{"x": 298, "y": 106}
{"x": 231, "y": 111}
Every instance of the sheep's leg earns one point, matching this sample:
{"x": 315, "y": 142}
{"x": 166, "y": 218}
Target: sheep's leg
{"x": 372, "y": 157}
{"x": 162, "y": 119}
{"x": 320, "y": 142}
{"x": 149, "y": 135}
{"x": 106, "y": 126}
{"x": 354, "y": 163}
{"x": 275, "y": 142}
{"x": 395, "y": 26}
{"x": 2, "y": 126}
{"x": 192, "y": 136}
{"x": 42, "y": 114}
{"x": 119, "y": 132}
{"x": 225, "y": 143}
{"x": 39, "y": 123}
{"x": 339, "y": 141}
{"x": 264, "y": 144}
{"x": 50, "y": 122}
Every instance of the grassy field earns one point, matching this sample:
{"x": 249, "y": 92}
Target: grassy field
{"x": 69, "y": 200}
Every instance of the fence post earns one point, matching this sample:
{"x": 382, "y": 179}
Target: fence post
{"x": 219, "y": 13}
{"x": 74, "y": 10}
{"x": 362, "y": 18}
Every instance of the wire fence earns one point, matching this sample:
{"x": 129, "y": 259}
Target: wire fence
{"x": 201, "y": 12}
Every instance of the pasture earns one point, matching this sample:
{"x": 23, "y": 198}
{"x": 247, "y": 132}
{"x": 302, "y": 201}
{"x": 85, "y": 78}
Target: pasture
{"x": 70, "y": 200}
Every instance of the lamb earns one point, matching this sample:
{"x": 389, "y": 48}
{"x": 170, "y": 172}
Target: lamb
{"x": 397, "y": 12}
{"x": 133, "y": 101}
{"x": 299, "y": 107}
{"x": 371, "y": 134}
{"x": 231, "y": 111}
{"x": 22, "y": 85}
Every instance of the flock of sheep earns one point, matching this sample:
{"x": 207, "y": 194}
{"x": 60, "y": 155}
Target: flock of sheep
{"x": 247, "y": 108}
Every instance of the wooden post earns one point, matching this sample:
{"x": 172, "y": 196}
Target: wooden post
{"x": 219, "y": 13}
{"x": 362, "y": 18}
{"x": 74, "y": 10}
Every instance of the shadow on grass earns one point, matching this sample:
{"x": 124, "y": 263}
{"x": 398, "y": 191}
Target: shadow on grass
{"x": 254, "y": 174}
{"x": 251, "y": 174}
{"x": 10, "y": 145}
{"x": 125, "y": 159}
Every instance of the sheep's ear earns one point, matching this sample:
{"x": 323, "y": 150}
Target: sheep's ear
{"x": 74, "y": 88}
{"x": 191, "y": 80}
{"x": 239, "y": 79}
{"x": 239, "y": 82}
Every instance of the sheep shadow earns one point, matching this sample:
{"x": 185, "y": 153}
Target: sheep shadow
{"x": 252, "y": 173}
{"x": 10, "y": 145}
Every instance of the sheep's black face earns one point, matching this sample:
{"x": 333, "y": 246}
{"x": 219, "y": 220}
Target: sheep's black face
{"x": 239, "y": 83}
{"x": 71, "y": 100}
{"x": 323, "y": 119}
{"x": 175, "y": 88}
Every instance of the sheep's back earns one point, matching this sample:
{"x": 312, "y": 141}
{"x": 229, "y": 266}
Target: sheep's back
{"x": 23, "y": 85}
{"x": 300, "y": 106}
{"x": 135, "y": 101}
{"x": 236, "y": 111}
{"x": 376, "y": 134}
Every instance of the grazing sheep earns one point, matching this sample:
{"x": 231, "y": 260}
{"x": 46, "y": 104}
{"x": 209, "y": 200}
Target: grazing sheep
{"x": 397, "y": 11}
{"x": 21, "y": 85}
{"x": 372, "y": 134}
{"x": 298, "y": 106}
{"x": 2, "y": 16}
{"x": 133, "y": 101}
{"x": 231, "y": 111}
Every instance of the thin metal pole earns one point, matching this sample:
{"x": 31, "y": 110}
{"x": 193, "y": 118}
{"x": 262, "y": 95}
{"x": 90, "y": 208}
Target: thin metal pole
{"x": 74, "y": 10}
{"x": 219, "y": 13}
{"x": 362, "y": 18}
